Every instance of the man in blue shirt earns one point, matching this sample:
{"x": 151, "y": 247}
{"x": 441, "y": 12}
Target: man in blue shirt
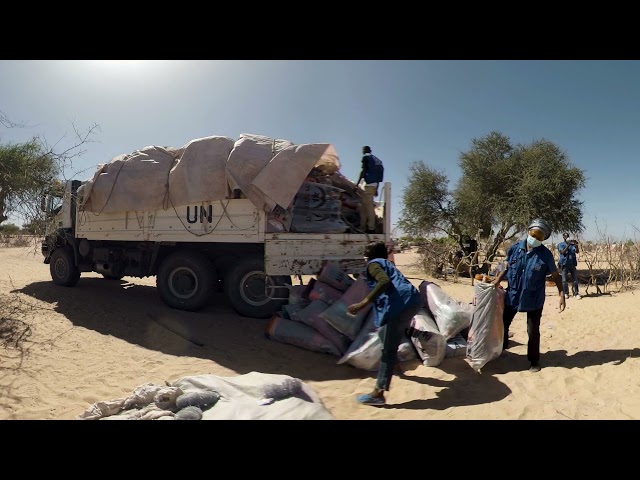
{"x": 373, "y": 173}
{"x": 568, "y": 263}
{"x": 396, "y": 302}
{"x": 528, "y": 263}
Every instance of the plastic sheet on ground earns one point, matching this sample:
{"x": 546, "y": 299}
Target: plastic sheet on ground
{"x": 239, "y": 398}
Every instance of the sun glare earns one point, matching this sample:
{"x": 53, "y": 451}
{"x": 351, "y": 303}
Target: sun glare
{"x": 122, "y": 63}
{"x": 125, "y": 66}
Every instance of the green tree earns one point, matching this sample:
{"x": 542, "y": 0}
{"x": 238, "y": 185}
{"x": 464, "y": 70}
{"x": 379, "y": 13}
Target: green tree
{"x": 428, "y": 204}
{"x": 26, "y": 171}
{"x": 502, "y": 187}
{"x": 35, "y": 227}
{"x": 9, "y": 228}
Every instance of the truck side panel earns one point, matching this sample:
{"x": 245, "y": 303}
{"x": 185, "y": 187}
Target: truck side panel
{"x": 227, "y": 221}
{"x": 233, "y": 220}
{"x": 303, "y": 254}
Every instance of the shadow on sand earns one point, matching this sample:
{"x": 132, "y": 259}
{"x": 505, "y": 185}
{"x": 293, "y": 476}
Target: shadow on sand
{"x": 471, "y": 388}
{"x": 510, "y": 362}
{"x": 467, "y": 388}
{"x": 136, "y": 314}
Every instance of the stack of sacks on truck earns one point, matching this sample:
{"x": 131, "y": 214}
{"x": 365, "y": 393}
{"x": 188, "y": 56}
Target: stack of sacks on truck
{"x": 316, "y": 208}
{"x": 316, "y": 318}
{"x": 323, "y": 204}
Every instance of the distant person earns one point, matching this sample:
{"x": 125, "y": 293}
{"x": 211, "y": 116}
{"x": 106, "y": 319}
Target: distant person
{"x": 527, "y": 265}
{"x": 568, "y": 263}
{"x": 469, "y": 245}
{"x": 396, "y": 302}
{"x": 470, "y": 249}
{"x": 373, "y": 174}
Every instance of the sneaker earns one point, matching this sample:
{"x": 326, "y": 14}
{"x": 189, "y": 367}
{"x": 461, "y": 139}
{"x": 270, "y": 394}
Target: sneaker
{"x": 577, "y": 297}
{"x": 535, "y": 367}
{"x": 367, "y": 399}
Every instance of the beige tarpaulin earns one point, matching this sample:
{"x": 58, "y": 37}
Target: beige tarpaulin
{"x": 268, "y": 171}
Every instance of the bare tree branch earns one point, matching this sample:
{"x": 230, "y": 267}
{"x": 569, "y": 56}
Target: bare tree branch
{"x": 7, "y": 123}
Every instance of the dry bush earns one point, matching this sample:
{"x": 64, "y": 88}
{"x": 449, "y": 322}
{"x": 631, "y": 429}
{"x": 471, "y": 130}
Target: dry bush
{"x": 20, "y": 240}
{"x": 437, "y": 257}
{"x": 610, "y": 263}
{"x": 434, "y": 257}
{"x": 14, "y": 325}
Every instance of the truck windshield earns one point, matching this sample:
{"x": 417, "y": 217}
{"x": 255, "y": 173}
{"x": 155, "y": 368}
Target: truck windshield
{"x": 53, "y": 204}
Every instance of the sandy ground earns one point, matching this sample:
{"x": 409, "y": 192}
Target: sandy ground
{"x": 101, "y": 339}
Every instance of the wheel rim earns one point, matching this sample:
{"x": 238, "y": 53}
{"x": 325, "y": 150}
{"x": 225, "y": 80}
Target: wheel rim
{"x": 60, "y": 268}
{"x": 183, "y": 282}
{"x": 253, "y": 289}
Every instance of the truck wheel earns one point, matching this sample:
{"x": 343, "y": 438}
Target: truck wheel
{"x": 244, "y": 287}
{"x": 63, "y": 271}
{"x": 185, "y": 280}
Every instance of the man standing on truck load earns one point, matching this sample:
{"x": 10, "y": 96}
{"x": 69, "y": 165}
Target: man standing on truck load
{"x": 373, "y": 174}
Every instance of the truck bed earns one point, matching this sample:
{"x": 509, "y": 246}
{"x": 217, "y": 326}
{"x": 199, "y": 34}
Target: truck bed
{"x": 234, "y": 221}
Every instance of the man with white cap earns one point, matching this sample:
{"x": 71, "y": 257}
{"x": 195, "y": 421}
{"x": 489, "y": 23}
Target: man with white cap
{"x": 528, "y": 263}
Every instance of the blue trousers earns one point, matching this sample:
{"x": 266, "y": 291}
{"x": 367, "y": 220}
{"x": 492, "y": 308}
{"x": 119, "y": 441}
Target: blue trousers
{"x": 391, "y": 336}
{"x": 574, "y": 278}
{"x": 533, "y": 330}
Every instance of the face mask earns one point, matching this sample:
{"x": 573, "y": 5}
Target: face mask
{"x": 533, "y": 242}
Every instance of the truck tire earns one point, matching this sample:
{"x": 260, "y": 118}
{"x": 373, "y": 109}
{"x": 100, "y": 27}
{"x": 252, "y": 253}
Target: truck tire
{"x": 63, "y": 271}
{"x": 244, "y": 287}
{"x": 185, "y": 280}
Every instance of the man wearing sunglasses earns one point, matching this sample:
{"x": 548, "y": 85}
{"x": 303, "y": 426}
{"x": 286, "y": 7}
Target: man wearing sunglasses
{"x": 528, "y": 263}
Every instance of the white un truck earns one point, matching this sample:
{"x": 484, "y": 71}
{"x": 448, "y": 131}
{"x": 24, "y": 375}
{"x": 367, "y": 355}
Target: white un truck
{"x": 241, "y": 215}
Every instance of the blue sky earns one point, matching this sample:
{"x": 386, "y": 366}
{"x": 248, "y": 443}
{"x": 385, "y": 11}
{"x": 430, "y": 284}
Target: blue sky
{"x": 405, "y": 110}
